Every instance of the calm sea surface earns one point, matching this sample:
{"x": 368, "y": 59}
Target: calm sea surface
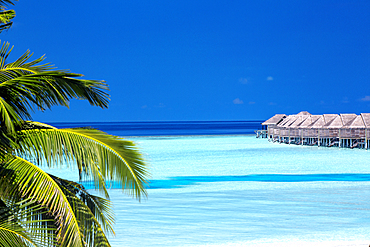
{"x": 229, "y": 189}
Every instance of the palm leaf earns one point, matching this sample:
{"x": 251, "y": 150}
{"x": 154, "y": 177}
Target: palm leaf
{"x": 33, "y": 183}
{"x": 93, "y": 213}
{"x": 21, "y": 66}
{"x": 20, "y": 225}
{"x": 46, "y": 89}
{"x": 59, "y": 148}
{"x": 98, "y": 156}
{"x": 11, "y": 234}
{"x": 9, "y": 116}
{"x": 5, "y": 17}
{"x": 27, "y": 85}
{"x": 99, "y": 207}
{"x": 7, "y": 2}
{"x": 119, "y": 159}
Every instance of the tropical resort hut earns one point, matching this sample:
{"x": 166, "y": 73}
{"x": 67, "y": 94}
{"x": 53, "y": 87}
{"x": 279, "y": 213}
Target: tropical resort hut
{"x": 346, "y": 118}
{"x": 313, "y": 133}
{"x": 307, "y": 132}
{"x": 353, "y": 132}
{"x": 331, "y": 131}
{"x": 343, "y": 130}
{"x": 301, "y": 127}
{"x": 323, "y": 131}
{"x": 366, "y": 119}
{"x": 295, "y": 131}
{"x": 284, "y": 128}
{"x": 345, "y": 133}
{"x": 271, "y": 125}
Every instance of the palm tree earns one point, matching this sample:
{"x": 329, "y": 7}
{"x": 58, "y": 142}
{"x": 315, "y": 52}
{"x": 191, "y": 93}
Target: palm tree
{"x": 37, "y": 208}
{"x": 6, "y": 15}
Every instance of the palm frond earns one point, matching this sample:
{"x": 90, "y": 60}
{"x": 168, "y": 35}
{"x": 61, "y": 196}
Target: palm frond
{"x": 98, "y": 155}
{"x": 11, "y": 234}
{"x": 100, "y": 207}
{"x": 58, "y": 148}
{"x": 21, "y": 66}
{"x": 29, "y": 125}
{"x": 33, "y": 183}
{"x": 27, "y": 85}
{"x": 46, "y": 89}
{"x": 94, "y": 214}
{"x": 7, "y": 2}
{"x": 9, "y": 116}
{"x": 21, "y": 225}
{"x": 5, "y": 18}
{"x": 121, "y": 161}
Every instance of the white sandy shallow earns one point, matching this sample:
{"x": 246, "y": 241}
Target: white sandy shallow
{"x": 294, "y": 244}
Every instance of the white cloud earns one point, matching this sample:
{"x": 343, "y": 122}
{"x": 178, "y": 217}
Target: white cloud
{"x": 269, "y": 78}
{"x": 366, "y": 98}
{"x": 238, "y": 101}
{"x": 252, "y": 102}
{"x": 243, "y": 80}
{"x": 144, "y": 107}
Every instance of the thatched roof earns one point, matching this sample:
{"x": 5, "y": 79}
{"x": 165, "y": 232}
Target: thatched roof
{"x": 318, "y": 123}
{"x": 274, "y": 120}
{"x": 300, "y": 119}
{"x": 287, "y": 121}
{"x": 366, "y": 119}
{"x": 329, "y": 117}
{"x": 305, "y": 119}
{"x": 357, "y": 122}
{"x": 308, "y": 121}
{"x": 335, "y": 123}
{"x": 304, "y": 113}
{"x": 347, "y": 117}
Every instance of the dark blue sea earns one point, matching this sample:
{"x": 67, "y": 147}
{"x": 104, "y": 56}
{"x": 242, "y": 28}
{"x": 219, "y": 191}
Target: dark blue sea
{"x": 170, "y": 127}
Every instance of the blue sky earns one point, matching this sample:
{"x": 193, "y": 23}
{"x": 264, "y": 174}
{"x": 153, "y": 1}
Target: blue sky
{"x": 203, "y": 59}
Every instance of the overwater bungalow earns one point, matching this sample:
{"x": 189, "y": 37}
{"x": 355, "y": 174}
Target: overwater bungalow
{"x": 331, "y": 130}
{"x": 269, "y": 126}
{"x": 295, "y": 131}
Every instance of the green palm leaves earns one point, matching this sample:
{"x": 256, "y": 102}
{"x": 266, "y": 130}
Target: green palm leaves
{"x": 99, "y": 157}
{"x": 27, "y": 86}
{"x": 41, "y": 209}
{"x": 12, "y": 233}
{"x": 6, "y": 15}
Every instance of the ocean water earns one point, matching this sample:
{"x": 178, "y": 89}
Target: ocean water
{"x": 237, "y": 190}
{"x": 170, "y": 127}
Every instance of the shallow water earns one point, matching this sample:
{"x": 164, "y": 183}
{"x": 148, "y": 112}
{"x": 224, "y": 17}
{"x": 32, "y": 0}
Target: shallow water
{"x": 242, "y": 191}
{"x": 239, "y": 190}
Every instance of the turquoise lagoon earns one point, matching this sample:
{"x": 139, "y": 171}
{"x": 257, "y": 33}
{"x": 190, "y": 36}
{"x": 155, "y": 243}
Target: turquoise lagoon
{"x": 225, "y": 190}
{"x": 236, "y": 190}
